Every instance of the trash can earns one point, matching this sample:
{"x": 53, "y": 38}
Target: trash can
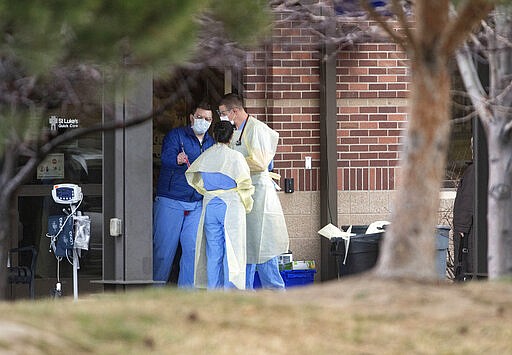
{"x": 362, "y": 254}
{"x": 363, "y": 251}
{"x": 442, "y": 241}
{"x": 356, "y": 229}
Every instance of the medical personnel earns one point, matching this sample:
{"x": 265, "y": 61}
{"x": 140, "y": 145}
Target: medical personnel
{"x": 267, "y": 235}
{"x": 177, "y": 207}
{"x": 222, "y": 175}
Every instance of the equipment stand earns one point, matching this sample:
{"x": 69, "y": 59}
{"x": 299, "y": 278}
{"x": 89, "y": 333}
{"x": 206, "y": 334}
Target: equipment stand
{"x": 75, "y": 274}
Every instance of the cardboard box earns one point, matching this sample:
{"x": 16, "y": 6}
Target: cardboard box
{"x": 299, "y": 265}
{"x": 285, "y": 258}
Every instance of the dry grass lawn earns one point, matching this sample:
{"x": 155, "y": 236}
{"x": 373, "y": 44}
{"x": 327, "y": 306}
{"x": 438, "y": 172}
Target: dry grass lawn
{"x": 360, "y": 315}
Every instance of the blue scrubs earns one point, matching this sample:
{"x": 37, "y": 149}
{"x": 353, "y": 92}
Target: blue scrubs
{"x": 215, "y": 213}
{"x": 268, "y": 272}
{"x": 177, "y": 207}
{"x": 167, "y": 232}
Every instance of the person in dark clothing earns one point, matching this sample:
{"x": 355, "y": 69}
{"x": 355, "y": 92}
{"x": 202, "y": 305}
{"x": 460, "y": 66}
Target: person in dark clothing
{"x": 463, "y": 225}
{"x": 177, "y": 207}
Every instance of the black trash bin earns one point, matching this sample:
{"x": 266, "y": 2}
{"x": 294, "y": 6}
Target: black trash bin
{"x": 363, "y": 251}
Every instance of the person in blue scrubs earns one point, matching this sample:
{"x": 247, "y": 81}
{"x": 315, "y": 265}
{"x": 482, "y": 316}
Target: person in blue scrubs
{"x": 214, "y": 218}
{"x": 177, "y": 207}
{"x": 222, "y": 175}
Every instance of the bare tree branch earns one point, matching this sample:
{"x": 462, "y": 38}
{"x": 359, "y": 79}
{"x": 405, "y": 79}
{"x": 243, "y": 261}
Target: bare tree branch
{"x": 473, "y": 84}
{"x": 493, "y": 62}
{"x": 463, "y": 119}
{"x": 458, "y": 28}
{"x": 29, "y": 167}
{"x": 402, "y": 19}
{"x": 401, "y": 41}
{"x": 507, "y": 129}
{"x": 499, "y": 98}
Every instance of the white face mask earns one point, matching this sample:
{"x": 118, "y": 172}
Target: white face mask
{"x": 226, "y": 118}
{"x": 200, "y": 126}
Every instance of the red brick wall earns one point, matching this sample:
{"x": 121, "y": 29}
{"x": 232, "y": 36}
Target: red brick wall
{"x": 282, "y": 89}
{"x": 375, "y": 77}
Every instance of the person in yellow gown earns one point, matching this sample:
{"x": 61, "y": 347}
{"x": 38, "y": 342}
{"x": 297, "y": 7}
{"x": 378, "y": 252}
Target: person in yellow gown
{"x": 267, "y": 235}
{"x": 222, "y": 176}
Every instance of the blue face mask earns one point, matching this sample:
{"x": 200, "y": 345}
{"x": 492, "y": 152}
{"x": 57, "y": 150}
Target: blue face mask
{"x": 200, "y": 126}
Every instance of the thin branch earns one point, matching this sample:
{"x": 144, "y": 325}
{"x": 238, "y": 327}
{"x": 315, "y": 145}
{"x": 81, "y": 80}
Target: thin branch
{"x": 501, "y": 96}
{"x": 492, "y": 58}
{"x": 465, "y": 108}
{"x": 476, "y": 41}
{"x": 473, "y": 84}
{"x": 471, "y": 13}
{"x": 507, "y": 128}
{"x": 489, "y": 30}
{"x": 71, "y": 93}
{"x": 8, "y": 164}
{"x": 401, "y": 41}
{"x": 469, "y": 73}
{"x": 461, "y": 93}
{"x": 10, "y": 186}
{"x": 402, "y": 19}
{"x": 463, "y": 119}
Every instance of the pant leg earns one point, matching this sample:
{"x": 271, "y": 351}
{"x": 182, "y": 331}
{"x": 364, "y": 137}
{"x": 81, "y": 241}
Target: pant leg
{"x": 167, "y": 223}
{"x": 250, "y": 269}
{"x": 269, "y": 274}
{"x": 215, "y": 243}
{"x": 188, "y": 247}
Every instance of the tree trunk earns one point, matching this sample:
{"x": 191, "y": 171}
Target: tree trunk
{"x": 408, "y": 249}
{"x": 499, "y": 138}
{"x": 409, "y": 246}
{"x": 495, "y": 117}
{"x": 499, "y": 201}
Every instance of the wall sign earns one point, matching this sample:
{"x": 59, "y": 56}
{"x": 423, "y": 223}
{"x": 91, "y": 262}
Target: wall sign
{"x": 52, "y": 167}
{"x": 57, "y": 122}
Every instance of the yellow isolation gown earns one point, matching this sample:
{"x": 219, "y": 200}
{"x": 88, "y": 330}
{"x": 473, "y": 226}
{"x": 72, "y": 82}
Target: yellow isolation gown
{"x": 267, "y": 235}
{"x": 222, "y": 159}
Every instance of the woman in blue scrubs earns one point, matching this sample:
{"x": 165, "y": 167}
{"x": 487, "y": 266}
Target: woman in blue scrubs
{"x": 222, "y": 176}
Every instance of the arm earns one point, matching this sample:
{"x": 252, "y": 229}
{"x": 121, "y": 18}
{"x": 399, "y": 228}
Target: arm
{"x": 261, "y": 143}
{"x": 244, "y": 184}
{"x": 171, "y": 148}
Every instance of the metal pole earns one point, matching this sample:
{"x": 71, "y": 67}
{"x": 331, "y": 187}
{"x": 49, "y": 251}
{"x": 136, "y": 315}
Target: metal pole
{"x": 75, "y": 274}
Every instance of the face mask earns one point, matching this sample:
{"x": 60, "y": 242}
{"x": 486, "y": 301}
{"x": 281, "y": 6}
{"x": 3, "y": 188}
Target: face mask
{"x": 226, "y": 118}
{"x": 200, "y": 126}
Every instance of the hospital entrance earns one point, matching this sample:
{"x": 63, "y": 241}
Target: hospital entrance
{"x": 107, "y": 168}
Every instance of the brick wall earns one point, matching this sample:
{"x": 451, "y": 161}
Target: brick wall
{"x": 282, "y": 88}
{"x": 372, "y": 88}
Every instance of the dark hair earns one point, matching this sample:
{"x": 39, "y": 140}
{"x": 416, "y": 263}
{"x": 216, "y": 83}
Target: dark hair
{"x": 223, "y": 131}
{"x": 232, "y": 100}
{"x": 203, "y": 105}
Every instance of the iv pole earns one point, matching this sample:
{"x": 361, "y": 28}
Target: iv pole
{"x": 70, "y": 194}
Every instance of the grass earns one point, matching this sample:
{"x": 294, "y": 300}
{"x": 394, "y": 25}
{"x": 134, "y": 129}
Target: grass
{"x": 360, "y": 315}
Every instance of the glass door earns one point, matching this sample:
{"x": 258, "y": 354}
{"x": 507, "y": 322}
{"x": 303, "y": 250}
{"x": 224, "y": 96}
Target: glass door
{"x": 79, "y": 162}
